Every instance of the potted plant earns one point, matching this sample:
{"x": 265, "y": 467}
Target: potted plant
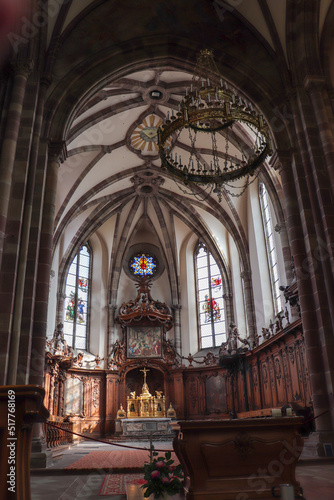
{"x": 163, "y": 478}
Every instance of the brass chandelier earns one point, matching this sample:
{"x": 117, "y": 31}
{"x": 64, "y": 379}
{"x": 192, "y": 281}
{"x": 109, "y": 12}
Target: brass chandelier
{"x": 212, "y": 108}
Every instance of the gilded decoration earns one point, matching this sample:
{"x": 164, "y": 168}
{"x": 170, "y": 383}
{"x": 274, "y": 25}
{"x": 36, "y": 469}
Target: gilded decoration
{"x": 145, "y": 405}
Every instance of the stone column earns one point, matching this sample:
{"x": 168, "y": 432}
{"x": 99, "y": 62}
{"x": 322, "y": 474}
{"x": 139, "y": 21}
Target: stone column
{"x": 29, "y": 246}
{"x": 323, "y": 189}
{"x": 228, "y": 297}
{"x": 246, "y": 276}
{"x": 280, "y": 228}
{"x": 316, "y": 87}
{"x": 22, "y": 70}
{"x": 177, "y": 327}
{"x": 313, "y": 347}
{"x": 60, "y": 308}
{"x": 111, "y": 326}
{"x": 18, "y": 371}
{"x": 56, "y": 155}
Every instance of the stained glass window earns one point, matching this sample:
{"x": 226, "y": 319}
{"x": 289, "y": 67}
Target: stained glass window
{"x": 270, "y": 245}
{"x": 143, "y": 265}
{"x": 77, "y": 293}
{"x": 210, "y": 302}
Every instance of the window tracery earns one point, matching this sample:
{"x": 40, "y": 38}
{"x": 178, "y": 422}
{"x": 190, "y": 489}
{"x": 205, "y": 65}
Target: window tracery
{"x": 77, "y": 293}
{"x": 210, "y": 302}
{"x": 270, "y": 246}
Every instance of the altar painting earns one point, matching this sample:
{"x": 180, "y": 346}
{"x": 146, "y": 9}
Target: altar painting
{"x": 144, "y": 342}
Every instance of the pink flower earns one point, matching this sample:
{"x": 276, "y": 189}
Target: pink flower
{"x": 160, "y": 464}
{"x": 155, "y": 474}
{"x": 171, "y": 468}
{"x": 164, "y": 480}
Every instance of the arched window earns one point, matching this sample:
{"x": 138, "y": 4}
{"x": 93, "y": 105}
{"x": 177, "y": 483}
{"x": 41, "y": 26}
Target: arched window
{"x": 77, "y": 294}
{"x": 210, "y": 303}
{"x": 270, "y": 245}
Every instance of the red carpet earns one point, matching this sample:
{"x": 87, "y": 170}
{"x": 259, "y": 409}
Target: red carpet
{"x": 114, "y": 484}
{"x": 116, "y": 460}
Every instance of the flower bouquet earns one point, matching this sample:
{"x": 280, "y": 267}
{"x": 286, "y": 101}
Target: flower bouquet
{"x": 162, "y": 477}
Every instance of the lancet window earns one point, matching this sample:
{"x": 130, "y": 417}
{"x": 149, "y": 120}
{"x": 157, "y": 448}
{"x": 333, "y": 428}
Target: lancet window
{"x": 77, "y": 293}
{"x": 210, "y": 302}
{"x": 270, "y": 246}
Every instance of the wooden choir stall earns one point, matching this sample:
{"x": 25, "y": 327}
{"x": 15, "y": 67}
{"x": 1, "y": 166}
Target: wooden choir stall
{"x": 227, "y": 403}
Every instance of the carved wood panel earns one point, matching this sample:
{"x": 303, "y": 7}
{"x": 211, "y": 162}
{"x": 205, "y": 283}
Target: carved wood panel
{"x": 265, "y": 382}
{"x": 215, "y": 393}
{"x": 195, "y": 396}
{"x": 266, "y": 377}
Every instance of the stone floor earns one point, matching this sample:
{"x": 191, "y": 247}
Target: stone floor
{"x": 53, "y": 484}
{"x": 317, "y": 479}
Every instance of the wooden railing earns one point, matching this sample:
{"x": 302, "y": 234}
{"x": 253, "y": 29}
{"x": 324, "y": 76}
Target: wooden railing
{"x": 58, "y": 436}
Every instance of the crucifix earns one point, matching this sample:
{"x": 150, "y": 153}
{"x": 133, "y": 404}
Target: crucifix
{"x": 144, "y": 370}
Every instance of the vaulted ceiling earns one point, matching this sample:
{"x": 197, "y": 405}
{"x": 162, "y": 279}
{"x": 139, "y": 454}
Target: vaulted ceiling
{"x": 105, "y": 59}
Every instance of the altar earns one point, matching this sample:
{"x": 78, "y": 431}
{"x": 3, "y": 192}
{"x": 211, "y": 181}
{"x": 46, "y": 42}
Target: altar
{"x": 146, "y": 427}
{"x": 145, "y": 416}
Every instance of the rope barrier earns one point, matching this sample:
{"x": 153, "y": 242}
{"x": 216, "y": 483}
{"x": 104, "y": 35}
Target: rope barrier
{"x": 313, "y": 418}
{"x": 136, "y": 447}
{"x": 101, "y": 440}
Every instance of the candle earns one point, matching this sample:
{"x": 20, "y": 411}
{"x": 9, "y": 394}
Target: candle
{"x": 287, "y": 492}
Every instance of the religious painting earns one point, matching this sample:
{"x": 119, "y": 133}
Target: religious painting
{"x": 215, "y": 394}
{"x": 73, "y": 396}
{"x": 144, "y": 342}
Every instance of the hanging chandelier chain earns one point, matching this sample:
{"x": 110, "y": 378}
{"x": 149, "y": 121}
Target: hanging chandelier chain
{"x": 215, "y": 153}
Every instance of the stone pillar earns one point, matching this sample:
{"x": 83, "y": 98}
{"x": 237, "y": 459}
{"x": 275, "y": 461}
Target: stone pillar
{"x": 22, "y": 70}
{"x": 313, "y": 347}
{"x": 316, "y": 87}
{"x": 177, "y": 327}
{"x": 56, "y": 155}
{"x": 246, "y": 276}
{"x": 111, "y": 326}
{"x": 29, "y": 246}
{"x": 280, "y": 228}
{"x": 19, "y": 360}
{"x": 60, "y": 308}
{"x": 228, "y": 299}
{"x": 323, "y": 175}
